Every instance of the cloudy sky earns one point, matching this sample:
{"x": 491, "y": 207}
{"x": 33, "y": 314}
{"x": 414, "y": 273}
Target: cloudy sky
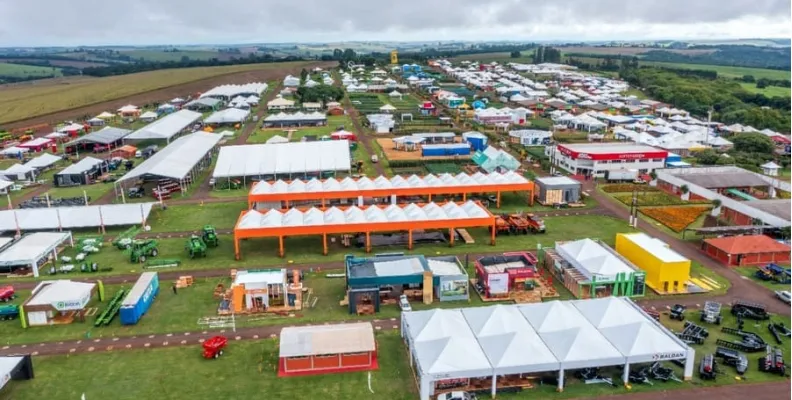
{"x": 102, "y": 22}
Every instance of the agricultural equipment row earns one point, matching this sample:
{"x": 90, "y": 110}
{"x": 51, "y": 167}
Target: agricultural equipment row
{"x": 775, "y": 273}
{"x": 43, "y": 202}
{"x": 518, "y": 224}
{"x": 111, "y": 310}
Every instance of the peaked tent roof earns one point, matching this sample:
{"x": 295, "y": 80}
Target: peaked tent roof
{"x": 84, "y": 165}
{"x": 43, "y": 161}
{"x": 166, "y": 127}
{"x": 748, "y": 244}
{"x": 177, "y": 159}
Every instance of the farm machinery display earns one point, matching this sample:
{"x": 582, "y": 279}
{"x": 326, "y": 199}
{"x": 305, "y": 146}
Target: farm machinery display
{"x": 775, "y": 273}
{"x": 734, "y": 358}
{"x": 209, "y": 236}
{"x": 109, "y": 313}
{"x": 518, "y": 224}
{"x": 125, "y": 239}
{"x": 693, "y": 334}
{"x": 711, "y": 313}
{"x": 9, "y": 311}
{"x": 773, "y": 362}
{"x": 141, "y": 250}
{"x": 749, "y": 342}
{"x": 213, "y": 347}
{"x": 655, "y": 371}
{"x": 747, "y": 310}
{"x": 44, "y": 202}
{"x": 591, "y": 376}
{"x": 7, "y": 293}
{"x": 778, "y": 330}
{"x": 165, "y": 188}
{"x": 708, "y": 368}
{"x": 678, "y": 312}
{"x": 195, "y": 246}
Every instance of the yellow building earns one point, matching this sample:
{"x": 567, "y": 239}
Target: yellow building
{"x": 666, "y": 270}
{"x": 394, "y": 56}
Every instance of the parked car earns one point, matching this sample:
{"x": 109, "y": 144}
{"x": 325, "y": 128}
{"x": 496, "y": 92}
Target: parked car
{"x": 784, "y": 296}
{"x": 404, "y": 304}
{"x": 374, "y": 158}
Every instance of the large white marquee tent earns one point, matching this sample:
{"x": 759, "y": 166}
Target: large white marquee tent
{"x": 546, "y": 337}
{"x": 32, "y": 219}
{"x": 166, "y": 127}
{"x": 298, "y": 159}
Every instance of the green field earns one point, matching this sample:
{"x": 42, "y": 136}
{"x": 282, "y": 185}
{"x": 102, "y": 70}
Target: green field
{"x": 24, "y": 71}
{"x": 769, "y": 91}
{"x": 500, "y": 57}
{"x": 726, "y": 72}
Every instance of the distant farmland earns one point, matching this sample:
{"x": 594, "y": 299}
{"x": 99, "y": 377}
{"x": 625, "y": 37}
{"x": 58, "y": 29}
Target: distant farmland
{"x": 628, "y": 51}
{"x": 24, "y": 71}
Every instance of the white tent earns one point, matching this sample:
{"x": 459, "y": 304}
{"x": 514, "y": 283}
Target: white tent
{"x": 43, "y": 161}
{"x": 32, "y": 248}
{"x": 298, "y": 158}
{"x": 592, "y": 259}
{"x": 148, "y": 116}
{"x": 105, "y": 115}
{"x": 277, "y": 139}
{"x": 228, "y": 116}
{"x": 18, "y": 172}
{"x": 178, "y": 159}
{"x": 166, "y": 127}
{"x": 74, "y": 217}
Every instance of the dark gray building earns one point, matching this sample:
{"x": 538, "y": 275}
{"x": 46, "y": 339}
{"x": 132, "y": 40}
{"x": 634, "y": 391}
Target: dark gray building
{"x": 557, "y": 189}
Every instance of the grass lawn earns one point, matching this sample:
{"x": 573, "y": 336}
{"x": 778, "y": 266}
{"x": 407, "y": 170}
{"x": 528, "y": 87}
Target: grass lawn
{"x": 246, "y": 369}
{"x": 190, "y": 217}
{"x": 334, "y": 122}
{"x": 748, "y": 273}
{"x": 770, "y": 91}
{"x": 251, "y": 365}
{"x": 516, "y": 202}
{"x": 94, "y": 191}
{"x": 725, "y": 71}
{"x": 24, "y": 71}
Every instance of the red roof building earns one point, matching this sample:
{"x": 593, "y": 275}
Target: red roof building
{"x": 747, "y": 250}
{"x": 327, "y": 349}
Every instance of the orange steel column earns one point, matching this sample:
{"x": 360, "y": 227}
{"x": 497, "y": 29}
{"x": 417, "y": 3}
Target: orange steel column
{"x": 451, "y": 234}
{"x": 430, "y": 198}
{"x": 409, "y": 240}
{"x": 324, "y": 244}
{"x": 464, "y": 196}
{"x": 498, "y": 200}
{"x": 281, "y": 251}
{"x": 492, "y": 230}
{"x": 323, "y": 203}
{"x": 531, "y": 194}
{"x": 368, "y": 242}
{"x": 237, "y": 256}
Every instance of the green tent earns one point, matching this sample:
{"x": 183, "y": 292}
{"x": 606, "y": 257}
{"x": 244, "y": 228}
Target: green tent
{"x": 492, "y": 159}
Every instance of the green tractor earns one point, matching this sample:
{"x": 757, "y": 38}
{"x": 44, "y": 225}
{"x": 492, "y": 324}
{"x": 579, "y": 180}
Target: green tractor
{"x": 196, "y": 247}
{"x": 141, "y": 250}
{"x": 210, "y": 236}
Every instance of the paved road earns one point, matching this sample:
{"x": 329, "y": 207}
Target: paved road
{"x": 363, "y": 137}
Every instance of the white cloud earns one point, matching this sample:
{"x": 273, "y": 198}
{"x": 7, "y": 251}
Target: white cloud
{"x": 93, "y": 22}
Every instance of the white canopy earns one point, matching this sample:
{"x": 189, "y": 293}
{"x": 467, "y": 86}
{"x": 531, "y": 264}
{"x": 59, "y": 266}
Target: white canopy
{"x": 71, "y": 128}
{"x": 286, "y": 158}
{"x": 150, "y": 115}
{"x": 592, "y": 259}
{"x": 388, "y": 107}
{"x": 105, "y": 115}
{"x": 31, "y": 248}
{"x": 277, "y": 139}
{"x": 7, "y": 365}
{"x": 128, "y": 108}
{"x": 74, "y": 217}
{"x": 177, "y": 159}
{"x": 13, "y": 150}
{"x": 166, "y": 127}
{"x": 228, "y": 116}
{"x": 43, "y": 161}
{"x": 84, "y": 165}
{"x": 413, "y": 181}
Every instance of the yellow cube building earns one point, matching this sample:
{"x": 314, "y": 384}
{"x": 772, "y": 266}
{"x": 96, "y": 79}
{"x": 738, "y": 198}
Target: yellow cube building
{"x": 666, "y": 270}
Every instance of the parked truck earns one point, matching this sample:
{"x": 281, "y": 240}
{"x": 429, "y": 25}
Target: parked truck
{"x": 7, "y": 293}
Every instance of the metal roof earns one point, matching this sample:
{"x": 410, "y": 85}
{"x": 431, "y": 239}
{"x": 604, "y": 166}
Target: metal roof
{"x": 227, "y": 116}
{"x": 60, "y": 291}
{"x": 729, "y": 179}
{"x": 82, "y": 166}
{"x": 166, "y": 127}
{"x": 74, "y": 217}
{"x": 607, "y": 148}
{"x": 106, "y": 135}
{"x": 43, "y": 161}
{"x": 177, "y": 159}
{"x": 316, "y": 340}
{"x": 139, "y": 288}
{"x": 285, "y": 158}
{"x": 32, "y": 248}
{"x": 778, "y": 207}
{"x": 557, "y": 181}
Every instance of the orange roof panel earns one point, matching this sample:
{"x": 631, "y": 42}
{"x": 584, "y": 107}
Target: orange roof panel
{"x": 751, "y": 244}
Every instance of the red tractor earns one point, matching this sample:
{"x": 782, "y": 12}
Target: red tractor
{"x": 7, "y": 293}
{"x": 213, "y": 347}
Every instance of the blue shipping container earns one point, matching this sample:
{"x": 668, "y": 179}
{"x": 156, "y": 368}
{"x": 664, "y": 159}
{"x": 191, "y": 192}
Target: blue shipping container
{"x": 439, "y": 150}
{"x": 478, "y": 143}
{"x": 139, "y": 299}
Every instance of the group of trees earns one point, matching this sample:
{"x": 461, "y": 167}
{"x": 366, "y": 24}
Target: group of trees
{"x": 185, "y": 62}
{"x": 730, "y": 101}
{"x": 728, "y": 55}
{"x": 762, "y": 83}
{"x": 320, "y": 94}
{"x": 545, "y": 54}
{"x": 750, "y": 151}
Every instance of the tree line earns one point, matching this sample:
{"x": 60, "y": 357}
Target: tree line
{"x": 730, "y": 102}
{"x": 185, "y": 62}
{"x": 729, "y": 55}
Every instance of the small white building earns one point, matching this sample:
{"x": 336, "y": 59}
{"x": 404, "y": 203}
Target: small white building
{"x": 280, "y": 103}
{"x": 770, "y": 168}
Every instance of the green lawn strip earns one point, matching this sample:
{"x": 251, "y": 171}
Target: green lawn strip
{"x": 769, "y": 91}
{"x": 512, "y": 202}
{"x": 190, "y": 217}
{"x": 94, "y": 191}
{"x": 726, "y": 71}
{"x": 245, "y": 369}
{"x": 748, "y": 273}
{"x": 361, "y": 154}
